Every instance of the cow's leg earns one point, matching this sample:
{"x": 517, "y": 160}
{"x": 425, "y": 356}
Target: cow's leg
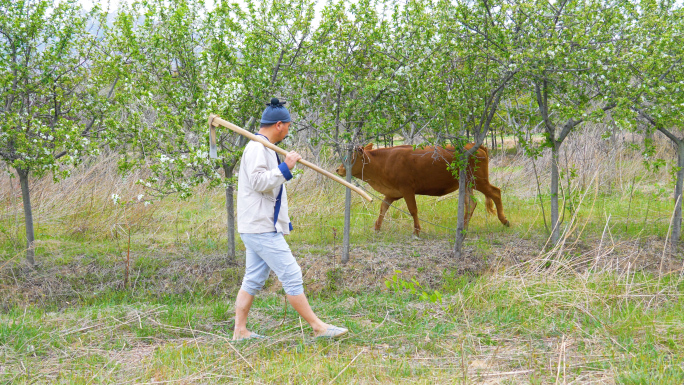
{"x": 494, "y": 193}
{"x": 470, "y": 205}
{"x": 383, "y": 209}
{"x": 410, "y": 199}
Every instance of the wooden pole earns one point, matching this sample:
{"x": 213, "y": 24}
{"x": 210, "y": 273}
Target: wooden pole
{"x": 215, "y": 121}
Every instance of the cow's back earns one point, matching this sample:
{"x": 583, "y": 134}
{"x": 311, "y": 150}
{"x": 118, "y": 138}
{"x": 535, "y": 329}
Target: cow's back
{"x": 423, "y": 171}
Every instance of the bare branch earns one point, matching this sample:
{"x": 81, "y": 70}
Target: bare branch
{"x": 658, "y": 126}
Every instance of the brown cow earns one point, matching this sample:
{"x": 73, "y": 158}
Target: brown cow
{"x": 402, "y": 172}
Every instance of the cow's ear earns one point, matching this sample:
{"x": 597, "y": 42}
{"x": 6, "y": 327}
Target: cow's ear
{"x": 369, "y": 146}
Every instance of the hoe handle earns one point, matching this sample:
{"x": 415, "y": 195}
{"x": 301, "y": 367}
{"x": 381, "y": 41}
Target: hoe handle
{"x": 215, "y": 121}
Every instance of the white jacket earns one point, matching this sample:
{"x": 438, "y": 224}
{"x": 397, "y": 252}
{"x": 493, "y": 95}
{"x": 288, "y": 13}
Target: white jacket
{"x": 259, "y": 183}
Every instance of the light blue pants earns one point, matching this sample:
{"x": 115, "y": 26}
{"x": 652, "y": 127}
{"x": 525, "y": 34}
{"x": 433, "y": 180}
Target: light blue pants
{"x": 266, "y": 252}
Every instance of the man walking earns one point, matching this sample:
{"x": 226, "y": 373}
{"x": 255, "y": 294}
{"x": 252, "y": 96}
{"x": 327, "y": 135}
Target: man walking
{"x": 263, "y": 221}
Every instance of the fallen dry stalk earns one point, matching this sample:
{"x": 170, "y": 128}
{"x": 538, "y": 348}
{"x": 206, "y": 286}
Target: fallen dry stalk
{"x": 207, "y": 333}
{"x": 345, "y": 368}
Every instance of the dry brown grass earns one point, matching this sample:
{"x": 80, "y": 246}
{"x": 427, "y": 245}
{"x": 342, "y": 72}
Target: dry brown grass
{"x": 618, "y": 164}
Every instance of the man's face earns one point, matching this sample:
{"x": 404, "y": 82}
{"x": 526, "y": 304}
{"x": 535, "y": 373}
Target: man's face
{"x": 282, "y": 129}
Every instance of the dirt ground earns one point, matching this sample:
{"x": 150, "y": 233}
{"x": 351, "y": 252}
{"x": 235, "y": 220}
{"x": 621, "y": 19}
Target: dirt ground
{"x": 428, "y": 261}
{"x": 368, "y": 268}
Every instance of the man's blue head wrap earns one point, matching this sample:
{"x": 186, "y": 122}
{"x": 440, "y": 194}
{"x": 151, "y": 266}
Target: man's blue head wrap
{"x": 275, "y": 112}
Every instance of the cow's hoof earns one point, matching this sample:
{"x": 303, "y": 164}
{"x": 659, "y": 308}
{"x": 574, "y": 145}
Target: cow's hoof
{"x": 416, "y": 237}
{"x": 507, "y": 224}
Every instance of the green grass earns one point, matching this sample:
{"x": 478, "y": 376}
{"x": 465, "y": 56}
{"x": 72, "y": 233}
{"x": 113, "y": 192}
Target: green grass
{"x": 486, "y": 327}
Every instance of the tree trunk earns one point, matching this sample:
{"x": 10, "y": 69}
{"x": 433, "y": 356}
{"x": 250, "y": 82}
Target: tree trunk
{"x": 493, "y": 141}
{"x": 409, "y": 135}
{"x": 555, "y": 231}
{"x": 230, "y": 211}
{"x": 28, "y": 216}
{"x": 347, "y": 208}
{"x": 460, "y": 224}
{"x": 517, "y": 144}
{"x": 677, "y": 218}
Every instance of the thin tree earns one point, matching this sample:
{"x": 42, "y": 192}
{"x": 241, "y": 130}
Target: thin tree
{"x": 348, "y": 81}
{"x": 654, "y": 84}
{"x": 574, "y": 50}
{"x": 194, "y": 64}
{"x": 269, "y": 51}
{"x": 45, "y": 49}
{"x": 481, "y": 39}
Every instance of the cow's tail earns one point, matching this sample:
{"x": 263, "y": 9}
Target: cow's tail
{"x": 489, "y": 203}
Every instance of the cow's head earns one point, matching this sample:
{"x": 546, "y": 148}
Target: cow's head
{"x": 359, "y": 158}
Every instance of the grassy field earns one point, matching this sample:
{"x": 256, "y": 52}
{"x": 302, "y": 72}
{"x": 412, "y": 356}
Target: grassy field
{"x": 498, "y": 328}
{"x": 602, "y": 306}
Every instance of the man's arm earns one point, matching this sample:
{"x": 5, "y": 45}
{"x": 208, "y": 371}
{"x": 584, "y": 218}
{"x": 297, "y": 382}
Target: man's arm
{"x": 261, "y": 177}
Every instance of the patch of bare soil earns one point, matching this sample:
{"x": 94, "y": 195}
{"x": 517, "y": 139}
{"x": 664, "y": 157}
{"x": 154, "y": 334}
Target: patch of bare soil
{"x": 370, "y": 266}
{"x": 85, "y": 278}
